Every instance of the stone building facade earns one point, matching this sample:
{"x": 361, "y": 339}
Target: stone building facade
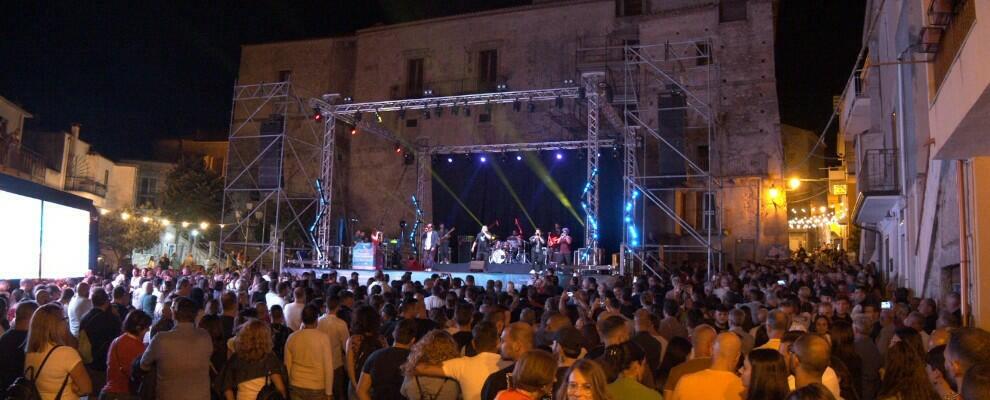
{"x": 534, "y": 47}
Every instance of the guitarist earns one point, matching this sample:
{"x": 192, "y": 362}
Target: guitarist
{"x": 443, "y": 247}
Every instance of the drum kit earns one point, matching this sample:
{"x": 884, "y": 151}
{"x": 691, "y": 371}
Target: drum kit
{"x": 506, "y": 252}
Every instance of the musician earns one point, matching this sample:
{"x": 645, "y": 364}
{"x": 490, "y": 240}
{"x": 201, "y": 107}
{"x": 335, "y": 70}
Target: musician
{"x": 360, "y": 237}
{"x": 564, "y": 246}
{"x": 481, "y": 244}
{"x": 430, "y": 241}
{"x": 443, "y": 246}
{"x": 553, "y": 244}
{"x": 538, "y": 247}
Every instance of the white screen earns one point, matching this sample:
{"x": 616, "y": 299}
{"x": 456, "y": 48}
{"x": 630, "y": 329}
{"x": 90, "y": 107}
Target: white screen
{"x": 20, "y": 235}
{"x": 64, "y": 242}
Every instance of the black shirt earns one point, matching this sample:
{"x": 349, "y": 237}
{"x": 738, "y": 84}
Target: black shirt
{"x": 386, "y": 375}
{"x": 228, "y": 326}
{"x": 463, "y": 340}
{"x": 101, "y": 328}
{"x": 651, "y": 347}
{"x": 12, "y": 361}
{"x": 496, "y": 382}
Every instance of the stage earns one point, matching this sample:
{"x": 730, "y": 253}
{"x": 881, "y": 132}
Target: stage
{"x": 518, "y": 274}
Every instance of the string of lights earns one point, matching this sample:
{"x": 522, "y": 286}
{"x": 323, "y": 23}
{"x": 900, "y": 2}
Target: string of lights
{"x": 157, "y": 220}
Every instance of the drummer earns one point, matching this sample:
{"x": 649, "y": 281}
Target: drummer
{"x": 514, "y": 244}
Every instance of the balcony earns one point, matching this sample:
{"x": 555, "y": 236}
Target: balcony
{"x": 854, "y": 116}
{"x": 20, "y": 162}
{"x": 879, "y": 185}
{"x": 85, "y": 184}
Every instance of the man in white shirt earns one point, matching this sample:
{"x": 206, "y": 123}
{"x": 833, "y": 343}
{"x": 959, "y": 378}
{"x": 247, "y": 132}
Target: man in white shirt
{"x": 293, "y": 311}
{"x": 808, "y": 359}
{"x": 337, "y": 333}
{"x": 308, "y": 357}
{"x": 471, "y": 372}
{"x": 277, "y": 296}
{"x": 436, "y": 299}
{"x": 78, "y": 307}
{"x": 430, "y": 239}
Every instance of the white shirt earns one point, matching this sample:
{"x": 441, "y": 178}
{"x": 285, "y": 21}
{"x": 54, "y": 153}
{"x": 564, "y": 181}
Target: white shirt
{"x": 59, "y": 365}
{"x": 293, "y": 315}
{"x": 336, "y": 330}
{"x": 308, "y": 360}
{"x": 78, "y": 307}
{"x": 434, "y": 302}
{"x": 471, "y": 372}
{"x": 272, "y": 298}
{"x": 829, "y": 379}
{"x": 429, "y": 240}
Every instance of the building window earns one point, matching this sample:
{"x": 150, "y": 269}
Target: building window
{"x": 284, "y": 75}
{"x": 731, "y": 10}
{"x": 486, "y": 117}
{"x": 106, "y": 177}
{"x": 487, "y": 70}
{"x": 414, "y": 77}
{"x": 703, "y": 158}
{"x": 626, "y": 8}
{"x": 412, "y": 123}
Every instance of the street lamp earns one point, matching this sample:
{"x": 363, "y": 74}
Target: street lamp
{"x": 775, "y": 195}
{"x": 794, "y": 183}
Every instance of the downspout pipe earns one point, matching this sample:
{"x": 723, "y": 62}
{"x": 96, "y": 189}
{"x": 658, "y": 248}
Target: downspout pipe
{"x": 963, "y": 242}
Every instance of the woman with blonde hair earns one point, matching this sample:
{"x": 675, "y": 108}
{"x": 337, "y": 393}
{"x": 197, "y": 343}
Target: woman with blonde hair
{"x": 435, "y": 348}
{"x": 253, "y": 366}
{"x": 532, "y": 377}
{"x": 56, "y": 367}
{"x": 584, "y": 381}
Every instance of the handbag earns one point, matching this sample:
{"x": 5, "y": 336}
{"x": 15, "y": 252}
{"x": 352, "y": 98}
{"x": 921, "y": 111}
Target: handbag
{"x": 269, "y": 391}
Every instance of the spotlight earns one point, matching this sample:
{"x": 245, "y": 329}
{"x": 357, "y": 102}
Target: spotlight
{"x": 402, "y": 113}
{"x": 408, "y": 158}
{"x": 559, "y": 102}
{"x": 450, "y": 160}
{"x": 559, "y": 156}
{"x": 467, "y": 111}
{"x": 518, "y": 157}
{"x": 484, "y": 159}
{"x": 428, "y": 93}
{"x": 568, "y": 81}
{"x": 455, "y": 110}
{"x": 439, "y": 111}
{"x": 426, "y": 114}
{"x": 378, "y": 116}
{"x": 516, "y": 106}
{"x": 348, "y": 99}
{"x": 501, "y": 87}
{"x": 531, "y": 106}
{"x": 357, "y": 116}
{"x": 398, "y": 147}
{"x": 317, "y": 115}
{"x": 353, "y": 131}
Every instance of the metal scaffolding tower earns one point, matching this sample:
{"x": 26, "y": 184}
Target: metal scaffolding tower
{"x": 660, "y": 172}
{"x": 270, "y": 193}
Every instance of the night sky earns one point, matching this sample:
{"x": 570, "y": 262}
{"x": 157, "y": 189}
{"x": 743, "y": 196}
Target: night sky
{"x": 134, "y": 72}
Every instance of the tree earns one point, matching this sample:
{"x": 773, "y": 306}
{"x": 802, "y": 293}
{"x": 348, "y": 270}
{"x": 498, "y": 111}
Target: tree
{"x": 192, "y": 192}
{"x": 123, "y": 232}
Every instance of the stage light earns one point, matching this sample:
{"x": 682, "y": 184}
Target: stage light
{"x": 166, "y": 222}
{"x": 559, "y": 102}
{"x": 559, "y": 156}
{"x": 501, "y": 87}
{"x": 185, "y": 224}
{"x": 531, "y": 106}
{"x": 518, "y": 157}
{"x": 317, "y": 115}
{"x": 353, "y": 131}
{"x": 484, "y": 159}
{"x": 125, "y": 216}
{"x": 203, "y": 225}
{"x": 378, "y": 116}
{"x": 348, "y": 99}
{"x": 568, "y": 81}
{"x": 450, "y": 160}
{"x": 398, "y": 148}
{"x": 104, "y": 211}
{"x": 194, "y": 233}
{"x": 428, "y": 92}
{"x": 822, "y": 209}
{"x": 516, "y": 106}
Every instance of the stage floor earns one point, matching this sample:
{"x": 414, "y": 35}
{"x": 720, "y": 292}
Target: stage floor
{"x": 454, "y": 270}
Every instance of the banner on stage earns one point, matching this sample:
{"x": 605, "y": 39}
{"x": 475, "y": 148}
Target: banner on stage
{"x": 364, "y": 257}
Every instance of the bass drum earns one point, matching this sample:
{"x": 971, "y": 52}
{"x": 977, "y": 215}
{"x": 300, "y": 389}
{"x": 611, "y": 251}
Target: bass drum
{"x": 499, "y": 256}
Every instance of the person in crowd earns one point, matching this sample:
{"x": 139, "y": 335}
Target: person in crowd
{"x": 98, "y": 328}
{"x": 181, "y": 356}
{"x": 381, "y": 376}
{"x": 869, "y": 355}
{"x": 808, "y": 359}
{"x": 777, "y": 324}
{"x": 764, "y": 375}
{"x": 308, "y": 359}
{"x": 702, "y": 341}
{"x": 213, "y": 325}
{"x": 904, "y": 376}
{"x": 78, "y": 307}
{"x": 463, "y": 316}
{"x": 719, "y": 381}
{"x": 585, "y": 380}
{"x": 517, "y": 339}
{"x": 280, "y": 332}
{"x": 336, "y": 330}
{"x": 647, "y": 337}
{"x": 253, "y": 366}
{"x": 435, "y": 348}
{"x": 121, "y": 302}
{"x": 532, "y": 377}
{"x": 814, "y": 391}
{"x": 937, "y": 375}
{"x": 844, "y": 357}
{"x": 228, "y": 315}
{"x": 12, "y": 344}
{"x": 277, "y": 295}
{"x": 364, "y": 340}
{"x": 625, "y": 365}
{"x": 123, "y": 351}
{"x": 148, "y": 299}
{"x": 737, "y": 325}
{"x": 678, "y": 350}
{"x": 63, "y": 375}
{"x": 670, "y": 325}
{"x": 568, "y": 347}
{"x": 293, "y": 310}
{"x": 966, "y": 348}
{"x": 470, "y": 372}
{"x": 976, "y": 383}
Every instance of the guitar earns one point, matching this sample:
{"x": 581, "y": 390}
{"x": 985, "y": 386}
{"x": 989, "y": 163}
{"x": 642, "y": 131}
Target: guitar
{"x": 446, "y": 236}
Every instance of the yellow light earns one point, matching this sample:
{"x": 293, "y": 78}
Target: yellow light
{"x": 125, "y": 216}
{"x": 146, "y": 219}
{"x": 185, "y": 224}
{"x": 794, "y": 183}
{"x": 774, "y": 193}
{"x": 166, "y": 222}
{"x": 203, "y": 225}
{"x": 822, "y": 209}
{"x": 222, "y": 225}
{"x": 104, "y": 211}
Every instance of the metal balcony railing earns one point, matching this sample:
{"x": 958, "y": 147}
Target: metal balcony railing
{"x": 85, "y": 184}
{"x": 22, "y": 160}
{"x": 879, "y": 172}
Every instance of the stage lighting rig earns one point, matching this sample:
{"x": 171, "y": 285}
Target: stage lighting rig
{"x": 559, "y": 102}
{"x": 531, "y": 106}
{"x": 455, "y": 110}
{"x": 317, "y": 115}
{"x": 501, "y": 87}
{"x": 516, "y": 106}
{"x": 402, "y": 113}
{"x": 467, "y": 111}
{"x": 398, "y": 147}
{"x": 426, "y": 113}
{"x": 439, "y": 111}
{"x": 427, "y": 92}
{"x": 568, "y": 81}
{"x": 358, "y": 116}
{"x": 348, "y": 99}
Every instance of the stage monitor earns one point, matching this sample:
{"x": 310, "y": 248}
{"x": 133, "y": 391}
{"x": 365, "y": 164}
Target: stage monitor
{"x": 40, "y": 238}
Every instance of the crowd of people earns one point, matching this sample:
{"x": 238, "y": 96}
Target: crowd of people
{"x": 784, "y": 330}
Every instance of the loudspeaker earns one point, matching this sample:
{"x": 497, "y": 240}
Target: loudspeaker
{"x": 464, "y": 243}
{"x": 476, "y": 266}
{"x": 270, "y": 159}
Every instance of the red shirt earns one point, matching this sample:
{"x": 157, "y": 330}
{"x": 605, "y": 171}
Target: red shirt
{"x": 124, "y": 349}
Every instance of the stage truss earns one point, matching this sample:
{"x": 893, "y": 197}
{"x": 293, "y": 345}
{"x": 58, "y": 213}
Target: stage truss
{"x": 269, "y": 193}
{"x": 331, "y": 111}
{"x": 688, "y": 73}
